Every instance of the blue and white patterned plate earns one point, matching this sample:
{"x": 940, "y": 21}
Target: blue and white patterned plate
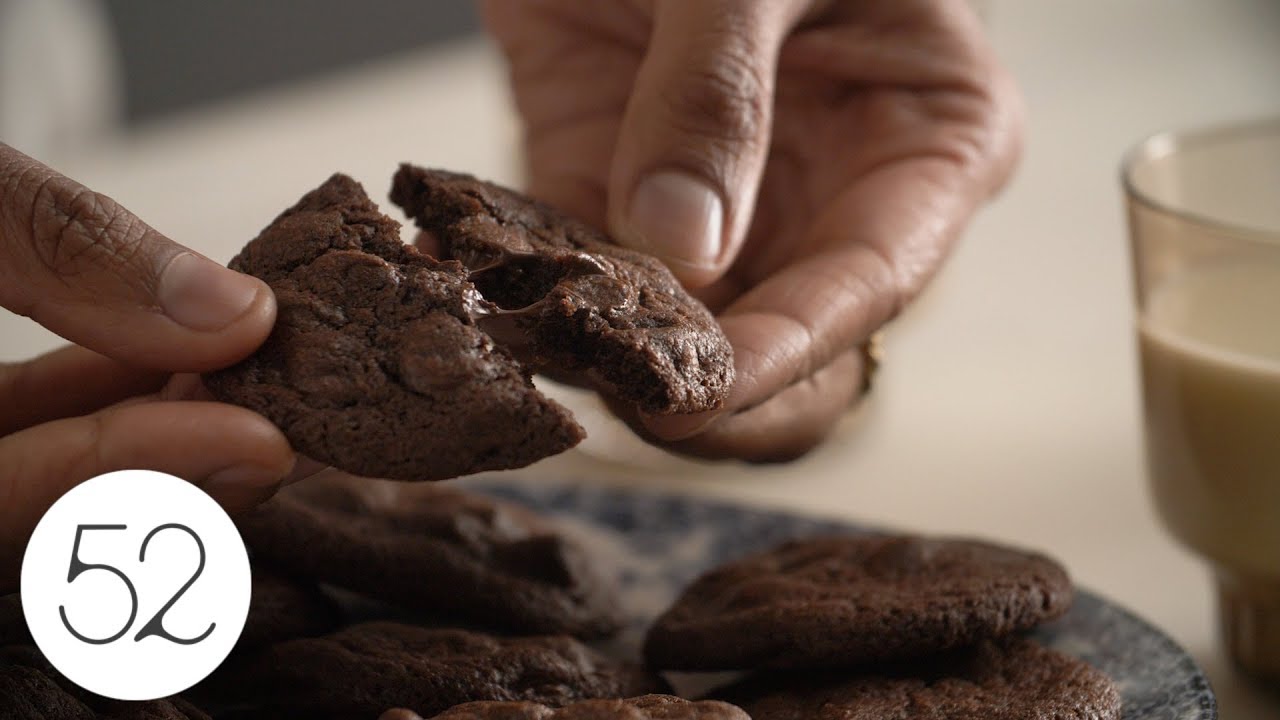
{"x": 659, "y": 542}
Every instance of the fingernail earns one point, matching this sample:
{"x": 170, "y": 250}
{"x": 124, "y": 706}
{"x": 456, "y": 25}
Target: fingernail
{"x": 241, "y": 480}
{"x": 200, "y": 294}
{"x": 676, "y": 217}
{"x": 400, "y": 714}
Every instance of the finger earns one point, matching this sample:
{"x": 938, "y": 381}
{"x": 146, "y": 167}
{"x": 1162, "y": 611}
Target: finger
{"x": 399, "y": 714}
{"x": 188, "y": 387}
{"x": 237, "y": 456}
{"x": 692, "y": 144}
{"x": 81, "y": 265}
{"x": 789, "y": 424}
{"x": 886, "y": 236}
{"x": 66, "y": 382}
{"x": 304, "y": 469}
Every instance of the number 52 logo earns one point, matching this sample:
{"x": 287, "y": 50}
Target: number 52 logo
{"x": 122, "y": 547}
{"x": 154, "y": 626}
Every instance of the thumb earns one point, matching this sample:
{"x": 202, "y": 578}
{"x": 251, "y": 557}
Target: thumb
{"x": 86, "y": 268}
{"x": 692, "y": 145}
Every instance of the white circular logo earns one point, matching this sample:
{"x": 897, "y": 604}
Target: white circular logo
{"x": 135, "y": 585}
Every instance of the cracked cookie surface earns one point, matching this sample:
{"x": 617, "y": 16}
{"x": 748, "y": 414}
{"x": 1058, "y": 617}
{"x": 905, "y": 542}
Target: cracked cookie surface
{"x": 645, "y": 707}
{"x": 847, "y": 601}
{"x": 375, "y": 364}
{"x": 584, "y": 306}
{"x": 1015, "y": 679}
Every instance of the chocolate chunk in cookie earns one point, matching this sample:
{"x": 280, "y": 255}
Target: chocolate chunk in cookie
{"x": 435, "y": 549}
{"x": 842, "y": 601}
{"x": 375, "y": 364}
{"x": 1013, "y": 679}
{"x": 645, "y": 707}
{"x": 363, "y": 670}
{"x": 577, "y": 301}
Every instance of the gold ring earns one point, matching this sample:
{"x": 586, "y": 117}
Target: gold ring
{"x": 872, "y": 352}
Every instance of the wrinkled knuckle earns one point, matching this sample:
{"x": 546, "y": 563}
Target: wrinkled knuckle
{"x": 725, "y": 101}
{"x": 77, "y": 231}
{"x": 87, "y": 455}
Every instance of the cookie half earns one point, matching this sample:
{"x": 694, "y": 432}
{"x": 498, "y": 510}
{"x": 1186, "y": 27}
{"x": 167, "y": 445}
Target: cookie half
{"x": 845, "y": 601}
{"x": 361, "y": 671}
{"x": 645, "y": 707}
{"x": 571, "y": 298}
{"x": 375, "y": 364}
{"x": 1014, "y": 679}
{"x": 435, "y": 549}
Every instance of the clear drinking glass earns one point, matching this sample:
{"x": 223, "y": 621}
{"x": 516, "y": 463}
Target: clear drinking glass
{"x": 1204, "y": 223}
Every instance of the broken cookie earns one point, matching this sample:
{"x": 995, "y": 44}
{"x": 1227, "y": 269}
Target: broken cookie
{"x": 375, "y": 364}
{"x": 389, "y": 363}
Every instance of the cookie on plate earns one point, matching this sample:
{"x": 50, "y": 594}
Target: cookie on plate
{"x": 436, "y": 549}
{"x": 375, "y": 364}
{"x": 361, "y": 671}
{"x": 645, "y": 707}
{"x": 579, "y": 302}
{"x": 30, "y": 689}
{"x": 283, "y": 608}
{"x": 1012, "y": 679}
{"x": 852, "y": 600}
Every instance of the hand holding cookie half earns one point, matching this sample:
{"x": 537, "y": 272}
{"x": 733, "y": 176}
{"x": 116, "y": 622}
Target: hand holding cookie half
{"x": 137, "y": 308}
{"x": 739, "y": 195}
{"x": 803, "y": 165}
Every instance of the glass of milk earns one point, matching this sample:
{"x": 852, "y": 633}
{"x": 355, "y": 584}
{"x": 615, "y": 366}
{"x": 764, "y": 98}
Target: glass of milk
{"x": 1204, "y": 222}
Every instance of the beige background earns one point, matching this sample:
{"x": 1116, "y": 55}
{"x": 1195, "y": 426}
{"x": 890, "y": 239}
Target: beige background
{"x": 1008, "y": 403}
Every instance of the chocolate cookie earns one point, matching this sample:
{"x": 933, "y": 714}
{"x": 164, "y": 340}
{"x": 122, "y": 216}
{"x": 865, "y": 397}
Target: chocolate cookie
{"x": 375, "y": 364}
{"x": 581, "y": 303}
{"x": 842, "y": 601}
{"x": 31, "y": 689}
{"x": 282, "y": 608}
{"x": 435, "y": 549}
{"x": 174, "y": 708}
{"x": 365, "y": 669}
{"x": 645, "y": 707}
{"x": 1014, "y": 679}
{"x": 28, "y": 694}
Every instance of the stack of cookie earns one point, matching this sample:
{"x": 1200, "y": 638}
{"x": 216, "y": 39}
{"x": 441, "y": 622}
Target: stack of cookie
{"x": 447, "y": 597}
{"x": 884, "y": 627}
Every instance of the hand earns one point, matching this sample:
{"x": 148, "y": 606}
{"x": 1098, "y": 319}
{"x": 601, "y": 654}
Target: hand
{"x": 803, "y": 166}
{"x": 139, "y": 308}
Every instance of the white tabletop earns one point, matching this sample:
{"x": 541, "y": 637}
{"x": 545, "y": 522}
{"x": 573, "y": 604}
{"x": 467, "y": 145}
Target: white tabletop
{"x": 1007, "y": 405}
